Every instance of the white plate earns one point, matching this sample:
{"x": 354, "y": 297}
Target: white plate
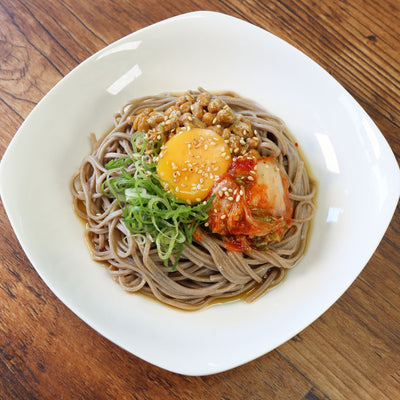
{"x": 358, "y": 180}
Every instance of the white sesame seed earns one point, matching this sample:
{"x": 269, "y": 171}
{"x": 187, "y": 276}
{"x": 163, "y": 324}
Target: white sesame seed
{"x": 250, "y": 178}
{"x": 205, "y": 146}
{"x": 223, "y": 216}
{"x": 237, "y": 197}
{"x": 227, "y": 158}
{"x": 230, "y": 198}
{"x": 206, "y": 224}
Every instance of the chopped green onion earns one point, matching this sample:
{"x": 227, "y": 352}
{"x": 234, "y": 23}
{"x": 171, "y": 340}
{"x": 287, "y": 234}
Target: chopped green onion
{"x": 148, "y": 209}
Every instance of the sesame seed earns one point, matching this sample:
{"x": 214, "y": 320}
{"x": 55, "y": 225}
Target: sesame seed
{"x": 201, "y": 180}
{"x": 177, "y": 189}
{"x": 230, "y": 198}
{"x": 221, "y": 193}
{"x": 183, "y": 185}
{"x": 214, "y": 120}
{"x": 227, "y": 158}
{"x": 253, "y": 172}
{"x": 250, "y": 178}
{"x": 198, "y": 199}
{"x": 237, "y": 197}
{"x": 223, "y": 216}
{"x": 205, "y": 146}
{"x": 223, "y": 154}
{"x": 206, "y": 224}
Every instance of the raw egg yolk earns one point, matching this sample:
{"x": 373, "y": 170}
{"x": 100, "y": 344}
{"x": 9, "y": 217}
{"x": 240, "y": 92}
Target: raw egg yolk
{"x": 191, "y": 162}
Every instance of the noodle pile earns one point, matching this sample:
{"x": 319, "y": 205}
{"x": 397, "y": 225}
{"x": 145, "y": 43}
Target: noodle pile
{"x": 206, "y": 272}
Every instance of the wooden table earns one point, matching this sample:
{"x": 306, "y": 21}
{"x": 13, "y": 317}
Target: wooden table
{"x": 350, "y": 352}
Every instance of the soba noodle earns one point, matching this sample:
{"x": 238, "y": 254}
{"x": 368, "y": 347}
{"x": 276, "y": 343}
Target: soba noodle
{"x": 206, "y": 271}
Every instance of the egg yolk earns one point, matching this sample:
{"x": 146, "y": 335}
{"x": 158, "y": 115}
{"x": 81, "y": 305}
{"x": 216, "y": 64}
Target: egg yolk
{"x": 191, "y": 162}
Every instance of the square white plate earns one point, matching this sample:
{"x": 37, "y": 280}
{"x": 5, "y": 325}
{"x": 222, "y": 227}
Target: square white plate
{"x": 356, "y": 170}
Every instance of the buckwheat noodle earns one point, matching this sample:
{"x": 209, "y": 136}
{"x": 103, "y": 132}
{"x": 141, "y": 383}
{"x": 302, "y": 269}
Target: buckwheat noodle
{"x": 206, "y": 271}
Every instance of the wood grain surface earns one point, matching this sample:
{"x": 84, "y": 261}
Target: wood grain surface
{"x": 351, "y": 352}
